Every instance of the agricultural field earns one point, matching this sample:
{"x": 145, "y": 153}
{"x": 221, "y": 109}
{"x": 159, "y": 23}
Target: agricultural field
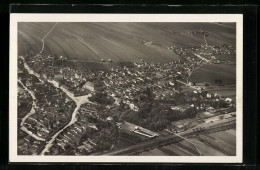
{"x": 118, "y": 41}
{"x": 122, "y": 143}
{"x": 225, "y": 91}
{"x": 226, "y": 57}
{"x": 214, "y": 144}
{"x": 210, "y": 72}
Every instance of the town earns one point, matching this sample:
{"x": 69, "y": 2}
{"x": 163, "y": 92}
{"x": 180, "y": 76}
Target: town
{"x": 64, "y": 109}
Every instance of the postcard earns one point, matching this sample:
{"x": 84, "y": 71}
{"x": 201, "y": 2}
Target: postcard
{"x": 157, "y": 88}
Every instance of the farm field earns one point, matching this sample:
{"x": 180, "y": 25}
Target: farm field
{"x": 210, "y": 72}
{"x": 117, "y": 41}
{"x": 121, "y": 143}
{"x": 215, "y": 144}
{"x": 225, "y": 91}
{"x": 226, "y": 57}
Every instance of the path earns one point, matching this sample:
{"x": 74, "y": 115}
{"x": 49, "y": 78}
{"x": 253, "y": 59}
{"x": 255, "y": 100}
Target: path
{"x": 46, "y": 36}
{"x": 33, "y": 97}
{"x": 31, "y": 134}
{"x": 187, "y": 84}
{"x": 201, "y": 63}
{"x": 78, "y": 100}
{"x": 206, "y": 44}
{"x": 32, "y": 111}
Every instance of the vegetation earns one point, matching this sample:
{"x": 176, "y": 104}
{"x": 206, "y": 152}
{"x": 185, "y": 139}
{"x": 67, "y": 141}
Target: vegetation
{"x": 102, "y": 98}
{"x": 210, "y": 72}
{"x": 106, "y": 136}
{"x": 217, "y": 81}
{"x": 155, "y": 115}
{"x": 123, "y": 64}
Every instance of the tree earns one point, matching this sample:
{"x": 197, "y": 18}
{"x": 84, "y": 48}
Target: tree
{"x": 102, "y": 98}
{"x": 121, "y": 105}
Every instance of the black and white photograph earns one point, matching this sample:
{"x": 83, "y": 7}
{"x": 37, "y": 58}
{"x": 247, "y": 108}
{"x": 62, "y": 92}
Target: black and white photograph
{"x": 130, "y": 88}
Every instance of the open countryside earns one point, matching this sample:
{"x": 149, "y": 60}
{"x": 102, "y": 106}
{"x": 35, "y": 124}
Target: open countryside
{"x": 118, "y": 41}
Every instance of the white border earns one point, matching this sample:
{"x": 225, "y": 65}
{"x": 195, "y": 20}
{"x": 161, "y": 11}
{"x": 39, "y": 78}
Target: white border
{"x": 15, "y": 18}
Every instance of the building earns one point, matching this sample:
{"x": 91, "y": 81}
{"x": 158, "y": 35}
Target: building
{"x": 58, "y": 77}
{"x": 208, "y": 95}
{"x": 92, "y": 125}
{"x": 228, "y": 100}
{"x": 88, "y": 85}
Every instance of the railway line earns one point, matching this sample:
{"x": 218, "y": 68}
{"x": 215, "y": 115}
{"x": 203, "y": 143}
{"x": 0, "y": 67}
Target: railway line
{"x": 162, "y": 141}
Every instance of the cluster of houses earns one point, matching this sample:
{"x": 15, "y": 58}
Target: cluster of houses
{"x": 209, "y": 53}
{"x": 71, "y": 79}
{"x": 53, "y": 107}
{"x": 79, "y": 136}
{"x": 51, "y": 110}
{"x": 74, "y": 137}
{"x": 129, "y": 130}
{"x": 24, "y": 102}
{"x": 27, "y": 145}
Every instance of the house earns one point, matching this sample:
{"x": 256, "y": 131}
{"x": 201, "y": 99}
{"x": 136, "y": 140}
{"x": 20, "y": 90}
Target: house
{"x": 208, "y": 95}
{"x": 37, "y": 75}
{"x": 109, "y": 118}
{"x": 179, "y": 128}
{"x": 228, "y": 100}
{"x": 88, "y": 85}
{"x": 62, "y": 145}
{"x": 92, "y": 125}
{"x": 28, "y": 83}
{"x": 81, "y": 148}
{"x": 58, "y": 77}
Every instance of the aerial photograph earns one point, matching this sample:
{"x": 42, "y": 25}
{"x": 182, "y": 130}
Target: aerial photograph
{"x": 126, "y": 89}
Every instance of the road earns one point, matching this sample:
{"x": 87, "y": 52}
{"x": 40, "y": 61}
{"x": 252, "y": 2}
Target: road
{"x": 46, "y": 36}
{"x": 78, "y": 100}
{"x": 202, "y": 58}
{"x": 206, "y": 44}
{"x": 32, "y": 111}
{"x": 31, "y": 134}
{"x": 187, "y": 84}
{"x": 201, "y": 63}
